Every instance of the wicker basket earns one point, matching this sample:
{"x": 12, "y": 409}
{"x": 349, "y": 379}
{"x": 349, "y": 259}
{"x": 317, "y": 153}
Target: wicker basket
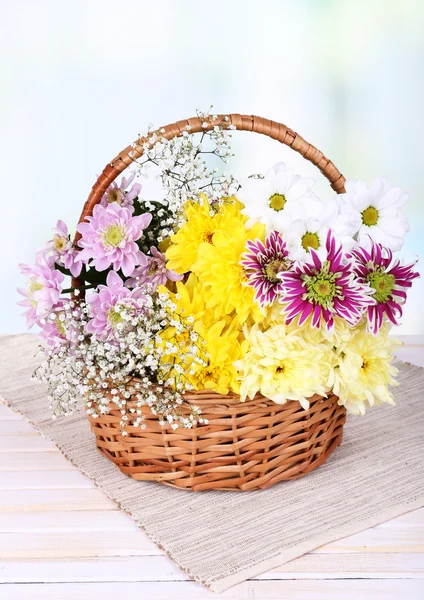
{"x": 245, "y": 445}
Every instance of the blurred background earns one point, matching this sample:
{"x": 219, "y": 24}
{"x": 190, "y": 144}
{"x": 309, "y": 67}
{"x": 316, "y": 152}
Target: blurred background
{"x": 81, "y": 79}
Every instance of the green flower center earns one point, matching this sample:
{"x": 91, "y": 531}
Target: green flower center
{"x": 322, "y": 287}
{"x": 59, "y": 243}
{"x": 272, "y": 269}
{"x": 277, "y": 201}
{"x": 370, "y": 216}
{"x": 310, "y": 240}
{"x": 113, "y": 317}
{"x": 383, "y": 284}
{"x": 113, "y": 235}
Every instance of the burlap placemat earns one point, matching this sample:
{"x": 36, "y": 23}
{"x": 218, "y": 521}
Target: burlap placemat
{"x": 223, "y": 538}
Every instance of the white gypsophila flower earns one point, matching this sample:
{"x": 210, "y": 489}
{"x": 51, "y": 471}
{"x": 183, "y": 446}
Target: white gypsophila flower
{"x": 374, "y": 212}
{"x": 277, "y": 199}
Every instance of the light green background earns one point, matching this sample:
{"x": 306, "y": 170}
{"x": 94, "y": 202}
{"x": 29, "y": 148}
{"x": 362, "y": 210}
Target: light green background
{"x": 81, "y": 79}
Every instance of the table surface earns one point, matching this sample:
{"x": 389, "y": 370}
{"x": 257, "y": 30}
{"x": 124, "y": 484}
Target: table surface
{"x": 61, "y": 538}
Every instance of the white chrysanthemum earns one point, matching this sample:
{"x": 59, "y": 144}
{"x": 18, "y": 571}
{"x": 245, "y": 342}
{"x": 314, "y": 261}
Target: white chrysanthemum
{"x": 374, "y": 212}
{"x": 278, "y": 199}
{"x": 311, "y": 230}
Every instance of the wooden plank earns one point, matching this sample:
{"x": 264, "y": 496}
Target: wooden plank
{"x": 52, "y": 500}
{"x": 7, "y": 414}
{"x": 115, "y": 520}
{"x": 25, "y": 443}
{"x": 161, "y": 568}
{"x": 35, "y": 461}
{"x": 89, "y": 544}
{"x": 66, "y": 521}
{"x": 39, "y": 480}
{"x": 266, "y": 590}
{"x": 16, "y": 426}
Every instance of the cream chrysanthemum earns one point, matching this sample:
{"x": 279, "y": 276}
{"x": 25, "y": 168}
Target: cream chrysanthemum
{"x": 283, "y": 366}
{"x": 364, "y": 370}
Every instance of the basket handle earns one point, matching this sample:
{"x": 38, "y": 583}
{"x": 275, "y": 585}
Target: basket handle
{"x": 272, "y": 129}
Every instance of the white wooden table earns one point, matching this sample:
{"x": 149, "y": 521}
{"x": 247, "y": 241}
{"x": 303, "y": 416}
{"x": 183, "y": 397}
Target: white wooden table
{"x": 63, "y": 539}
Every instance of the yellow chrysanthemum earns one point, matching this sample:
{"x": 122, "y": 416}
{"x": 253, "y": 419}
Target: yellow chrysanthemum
{"x": 220, "y": 272}
{"x": 220, "y": 339}
{"x": 364, "y": 370}
{"x": 283, "y": 366}
{"x": 224, "y": 349}
{"x": 200, "y": 227}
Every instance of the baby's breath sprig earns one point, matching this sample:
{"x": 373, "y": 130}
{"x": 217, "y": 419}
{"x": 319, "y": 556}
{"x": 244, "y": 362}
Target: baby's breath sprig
{"x": 144, "y": 365}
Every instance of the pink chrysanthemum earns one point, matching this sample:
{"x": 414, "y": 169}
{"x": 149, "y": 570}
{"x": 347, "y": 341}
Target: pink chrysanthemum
{"x": 53, "y": 327}
{"x": 44, "y": 287}
{"x": 262, "y": 263}
{"x": 117, "y": 193}
{"x": 388, "y": 280}
{"x": 324, "y": 288}
{"x": 103, "y": 305}
{"x": 60, "y": 250}
{"x": 154, "y": 272}
{"x": 109, "y": 238}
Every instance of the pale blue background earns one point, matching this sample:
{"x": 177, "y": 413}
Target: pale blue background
{"x": 81, "y": 79}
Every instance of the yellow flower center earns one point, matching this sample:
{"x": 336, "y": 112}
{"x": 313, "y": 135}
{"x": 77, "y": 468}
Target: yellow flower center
{"x": 59, "y": 243}
{"x": 370, "y": 216}
{"x": 208, "y": 237}
{"x": 113, "y": 235}
{"x": 280, "y": 369}
{"x": 113, "y": 317}
{"x": 277, "y": 202}
{"x": 273, "y": 268}
{"x": 59, "y": 325}
{"x": 34, "y": 286}
{"x": 310, "y": 240}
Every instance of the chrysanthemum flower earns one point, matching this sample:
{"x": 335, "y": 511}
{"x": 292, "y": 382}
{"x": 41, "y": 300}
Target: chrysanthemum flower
{"x": 262, "y": 263}
{"x": 277, "y": 199}
{"x": 283, "y": 366}
{"x": 44, "y": 287}
{"x": 220, "y": 271}
{"x": 109, "y": 239}
{"x": 374, "y": 212}
{"x": 201, "y": 225}
{"x": 60, "y": 250}
{"x": 106, "y": 305}
{"x": 364, "y": 370}
{"x": 389, "y": 280}
{"x": 322, "y": 289}
{"x": 118, "y": 193}
{"x": 154, "y": 272}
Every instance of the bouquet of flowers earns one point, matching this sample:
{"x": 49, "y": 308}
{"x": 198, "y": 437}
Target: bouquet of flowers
{"x": 237, "y": 287}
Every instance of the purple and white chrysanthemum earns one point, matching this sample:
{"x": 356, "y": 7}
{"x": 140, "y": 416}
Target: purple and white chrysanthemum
{"x": 60, "y": 250}
{"x": 109, "y": 239}
{"x": 44, "y": 287}
{"x": 107, "y": 305}
{"x": 389, "y": 280}
{"x": 118, "y": 193}
{"x": 154, "y": 272}
{"x": 262, "y": 263}
{"x": 322, "y": 289}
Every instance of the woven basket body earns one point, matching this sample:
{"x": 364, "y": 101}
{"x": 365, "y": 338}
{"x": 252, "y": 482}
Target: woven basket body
{"x": 245, "y": 445}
